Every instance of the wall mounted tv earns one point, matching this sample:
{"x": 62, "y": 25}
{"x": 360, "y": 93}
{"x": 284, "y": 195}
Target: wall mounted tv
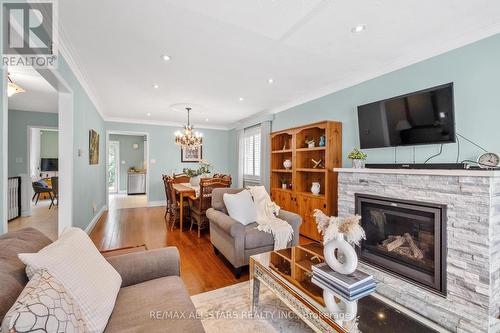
{"x": 49, "y": 164}
{"x": 423, "y": 117}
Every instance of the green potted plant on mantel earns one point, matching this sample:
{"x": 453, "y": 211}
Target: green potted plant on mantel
{"x": 195, "y": 174}
{"x": 357, "y": 157}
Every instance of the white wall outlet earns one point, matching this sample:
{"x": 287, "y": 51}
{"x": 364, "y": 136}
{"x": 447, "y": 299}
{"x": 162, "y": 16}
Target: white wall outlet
{"x": 123, "y": 162}
{"x": 153, "y": 161}
{"x": 94, "y": 207}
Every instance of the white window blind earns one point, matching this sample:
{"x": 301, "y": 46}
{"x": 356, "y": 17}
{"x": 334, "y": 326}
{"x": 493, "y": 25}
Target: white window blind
{"x": 252, "y": 143}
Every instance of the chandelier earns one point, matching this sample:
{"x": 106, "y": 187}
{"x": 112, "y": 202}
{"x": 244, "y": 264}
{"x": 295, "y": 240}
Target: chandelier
{"x": 13, "y": 88}
{"x": 187, "y": 138}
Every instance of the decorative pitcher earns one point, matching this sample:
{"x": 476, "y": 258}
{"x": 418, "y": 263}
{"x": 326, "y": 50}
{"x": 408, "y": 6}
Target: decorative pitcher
{"x": 315, "y": 188}
{"x": 350, "y": 258}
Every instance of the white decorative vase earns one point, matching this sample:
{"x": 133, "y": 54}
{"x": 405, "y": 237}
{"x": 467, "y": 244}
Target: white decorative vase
{"x": 350, "y": 258}
{"x": 195, "y": 181}
{"x": 287, "y": 164}
{"x": 310, "y": 144}
{"x": 284, "y": 186}
{"x": 358, "y": 164}
{"x": 315, "y": 188}
{"x": 343, "y": 310}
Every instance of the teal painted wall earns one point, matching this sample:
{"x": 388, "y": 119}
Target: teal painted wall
{"x": 18, "y": 136}
{"x": 168, "y": 156}
{"x": 475, "y": 72}
{"x": 49, "y": 144}
{"x": 132, "y": 157}
{"x": 89, "y": 181}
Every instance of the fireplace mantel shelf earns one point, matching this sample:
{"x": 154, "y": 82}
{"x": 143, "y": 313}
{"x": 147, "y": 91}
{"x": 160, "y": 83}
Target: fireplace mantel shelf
{"x": 429, "y": 172}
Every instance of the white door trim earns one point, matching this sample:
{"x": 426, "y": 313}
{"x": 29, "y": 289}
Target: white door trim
{"x": 5, "y": 149}
{"x": 146, "y": 161}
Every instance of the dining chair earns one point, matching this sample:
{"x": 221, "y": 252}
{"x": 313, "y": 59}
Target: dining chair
{"x": 181, "y": 178}
{"x": 165, "y": 179}
{"x": 173, "y": 205}
{"x": 223, "y": 176}
{"x": 198, "y": 206}
{"x": 55, "y": 191}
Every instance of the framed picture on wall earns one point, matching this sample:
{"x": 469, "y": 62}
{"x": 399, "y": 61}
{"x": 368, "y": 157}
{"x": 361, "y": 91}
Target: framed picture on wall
{"x": 191, "y": 155}
{"x": 93, "y": 147}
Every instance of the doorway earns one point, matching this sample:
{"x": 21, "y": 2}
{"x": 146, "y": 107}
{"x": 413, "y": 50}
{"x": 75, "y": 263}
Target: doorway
{"x": 64, "y": 106}
{"x": 127, "y": 169}
{"x": 114, "y": 167}
{"x": 33, "y": 144}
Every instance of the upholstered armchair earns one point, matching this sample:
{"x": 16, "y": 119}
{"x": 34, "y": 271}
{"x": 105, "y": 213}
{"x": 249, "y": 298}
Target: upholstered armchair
{"x": 237, "y": 242}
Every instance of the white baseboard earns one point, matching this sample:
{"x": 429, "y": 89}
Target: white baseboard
{"x": 157, "y": 203}
{"x": 96, "y": 218}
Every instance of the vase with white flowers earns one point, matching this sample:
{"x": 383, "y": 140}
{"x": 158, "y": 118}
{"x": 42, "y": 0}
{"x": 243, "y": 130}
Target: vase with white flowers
{"x": 339, "y": 235}
{"x": 196, "y": 174}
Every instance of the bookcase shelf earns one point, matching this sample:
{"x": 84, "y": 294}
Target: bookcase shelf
{"x": 291, "y": 144}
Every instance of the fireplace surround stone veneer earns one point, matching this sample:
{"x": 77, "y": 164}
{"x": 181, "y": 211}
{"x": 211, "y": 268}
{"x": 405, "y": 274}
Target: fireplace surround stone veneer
{"x": 472, "y": 198}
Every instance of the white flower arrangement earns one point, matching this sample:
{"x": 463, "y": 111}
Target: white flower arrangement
{"x": 330, "y": 226}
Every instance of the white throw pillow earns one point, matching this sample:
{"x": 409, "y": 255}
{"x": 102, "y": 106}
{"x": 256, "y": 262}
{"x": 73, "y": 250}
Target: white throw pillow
{"x": 77, "y": 264}
{"x": 240, "y": 206}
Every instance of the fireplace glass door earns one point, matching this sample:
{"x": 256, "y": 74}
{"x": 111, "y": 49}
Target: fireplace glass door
{"x": 405, "y": 238}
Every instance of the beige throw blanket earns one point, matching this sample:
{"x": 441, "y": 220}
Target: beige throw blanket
{"x": 267, "y": 210}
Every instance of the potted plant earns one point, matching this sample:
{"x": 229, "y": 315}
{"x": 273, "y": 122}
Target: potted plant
{"x": 284, "y": 183}
{"x": 195, "y": 174}
{"x": 357, "y": 157}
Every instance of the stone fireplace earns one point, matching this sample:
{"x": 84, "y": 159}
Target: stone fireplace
{"x": 433, "y": 240}
{"x": 404, "y": 237}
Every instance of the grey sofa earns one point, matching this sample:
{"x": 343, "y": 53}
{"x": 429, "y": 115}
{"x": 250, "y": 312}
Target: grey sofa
{"x": 151, "y": 286}
{"x": 237, "y": 242}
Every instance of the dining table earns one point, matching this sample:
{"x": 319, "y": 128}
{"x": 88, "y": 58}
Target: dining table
{"x": 185, "y": 190}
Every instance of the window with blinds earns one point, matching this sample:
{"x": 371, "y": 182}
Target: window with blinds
{"x": 252, "y": 145}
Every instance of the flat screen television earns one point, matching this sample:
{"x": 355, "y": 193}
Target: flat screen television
{"x": 49, "y": 164}
{"x": 422, "y": 117}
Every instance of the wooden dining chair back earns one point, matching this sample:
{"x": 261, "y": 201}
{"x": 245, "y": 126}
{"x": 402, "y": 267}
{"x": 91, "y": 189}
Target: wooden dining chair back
{"x": 223, "y": 177}
{"x": 165, "y": 179}
{"x": 181, "y": 178}
{"x": 199, "y": 205}
{"x": 173, "y": 205}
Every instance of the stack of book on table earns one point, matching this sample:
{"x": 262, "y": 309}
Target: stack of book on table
{"x": 351, "y": 287}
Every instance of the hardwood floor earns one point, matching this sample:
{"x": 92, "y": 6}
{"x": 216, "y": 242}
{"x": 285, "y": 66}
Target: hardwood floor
{"x": 42, "y": 218}
{"x": 201, "y": 269}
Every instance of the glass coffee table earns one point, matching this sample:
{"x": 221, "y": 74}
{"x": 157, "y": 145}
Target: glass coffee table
{"x": 287, "y": 273}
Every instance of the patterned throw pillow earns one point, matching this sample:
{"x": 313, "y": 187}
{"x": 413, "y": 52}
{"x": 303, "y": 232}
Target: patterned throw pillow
{"x": 44, "y": 306}
{"x": 75, "y": 262}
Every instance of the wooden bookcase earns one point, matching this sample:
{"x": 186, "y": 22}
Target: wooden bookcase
{"x": 290, "y": 144}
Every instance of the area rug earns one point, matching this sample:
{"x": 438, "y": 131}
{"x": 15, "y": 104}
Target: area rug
{"x": 227, "y": 310}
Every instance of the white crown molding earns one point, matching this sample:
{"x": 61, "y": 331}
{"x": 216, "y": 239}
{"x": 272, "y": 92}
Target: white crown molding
{"x": 418, "y": 56}
{"x": 66, "y": 49}
{"x": 161, "y": 123}
{"x": 252, "y": 120}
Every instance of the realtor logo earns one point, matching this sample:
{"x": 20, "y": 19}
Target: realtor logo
{"x": 29, "y": 34}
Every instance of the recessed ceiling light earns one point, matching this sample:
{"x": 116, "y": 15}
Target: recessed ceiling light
{"x": 206, "y": 119}
{"x": 241, "y": 99}
{"x": 270, "y": 80}
{"x": 359, "y": 28}
{"x": 156, "y": 86}
{"x": 165, "y": 57}
{"x": 148, "y": 114}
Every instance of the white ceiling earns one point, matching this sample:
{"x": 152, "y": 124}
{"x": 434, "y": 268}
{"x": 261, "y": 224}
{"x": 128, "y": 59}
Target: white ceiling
{"x": 40, "y": 96}
{"x": 222, "y": 50}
